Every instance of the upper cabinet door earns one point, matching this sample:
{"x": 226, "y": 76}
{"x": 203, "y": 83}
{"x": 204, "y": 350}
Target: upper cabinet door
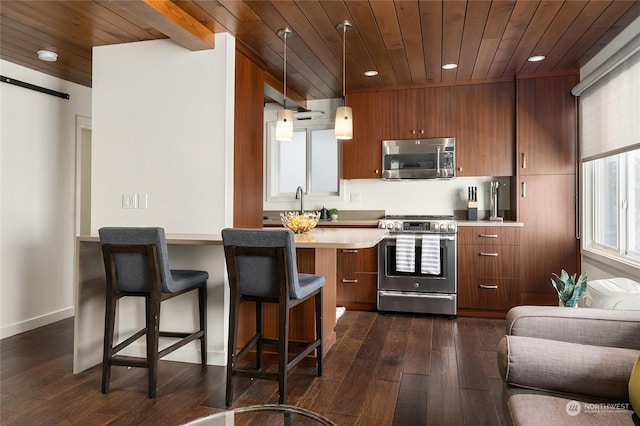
{"x": 362, "y": 155}
{"x": 546, "y": 125}
{"x": 485, "y": 117}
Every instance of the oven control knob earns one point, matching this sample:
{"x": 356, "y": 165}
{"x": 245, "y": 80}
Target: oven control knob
{"x": 381, "y": 225}
{"x": 451, "y": 227}
{"x": 389, "y": 225}
{"x": 443, "y": 227}
{"x": 398, "y": 227}
{"x": 416, "y": 285}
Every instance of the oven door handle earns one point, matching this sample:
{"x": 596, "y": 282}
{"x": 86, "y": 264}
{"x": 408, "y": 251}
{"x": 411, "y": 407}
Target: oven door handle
{"x": 414, "y": 295}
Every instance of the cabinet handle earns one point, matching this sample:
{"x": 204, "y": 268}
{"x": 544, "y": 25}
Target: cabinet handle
{"x": 524, "y": 160}
{"x": 489, "y": 287}
{"x": 459, "y": 169}
{"x": 524, "y": 189}
{"x": 350, "y": 251}
{"x": 488, "y": 235}
{"x": 488, "y": 254}
{"x": 377, "y": 171}
{"x": 413, "y": 132}
{"x": 422, "y": 131}
{"x": 350, "y": 281}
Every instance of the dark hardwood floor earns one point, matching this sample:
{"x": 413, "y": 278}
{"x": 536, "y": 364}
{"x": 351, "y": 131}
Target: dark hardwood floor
{"x": 384, "y": 370}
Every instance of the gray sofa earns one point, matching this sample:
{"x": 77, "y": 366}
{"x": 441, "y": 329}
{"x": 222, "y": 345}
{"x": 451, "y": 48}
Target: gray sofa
{"x": 566, "y": 366}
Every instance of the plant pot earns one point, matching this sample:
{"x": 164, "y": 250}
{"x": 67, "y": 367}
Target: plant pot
{"x": 334, "y": 217}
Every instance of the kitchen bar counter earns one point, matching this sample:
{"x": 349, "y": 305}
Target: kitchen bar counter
{"x": 316, "y": 238}
{"x": 316, "y": 253}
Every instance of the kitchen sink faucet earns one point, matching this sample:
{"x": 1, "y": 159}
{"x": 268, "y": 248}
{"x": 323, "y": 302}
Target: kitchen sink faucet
{"x": 300, "y": 195}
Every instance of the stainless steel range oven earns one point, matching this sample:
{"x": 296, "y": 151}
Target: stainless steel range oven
{"x": 417, "y": 265}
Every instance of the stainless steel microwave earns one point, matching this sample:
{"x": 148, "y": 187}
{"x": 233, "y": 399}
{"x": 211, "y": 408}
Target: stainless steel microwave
{"x": 419, "y": 159}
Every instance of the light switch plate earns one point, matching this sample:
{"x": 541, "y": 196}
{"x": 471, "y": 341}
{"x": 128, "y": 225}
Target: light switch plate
{"x": 129, "y": 200}
{"x": 142, "y": 200}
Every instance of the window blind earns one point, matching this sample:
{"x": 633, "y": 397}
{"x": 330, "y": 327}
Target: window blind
{"x": 610, "y": 112}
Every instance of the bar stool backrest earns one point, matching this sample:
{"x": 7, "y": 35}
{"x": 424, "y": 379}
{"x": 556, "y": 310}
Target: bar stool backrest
{"x": 258, "y": 276}
{"x": 132, "y": 268}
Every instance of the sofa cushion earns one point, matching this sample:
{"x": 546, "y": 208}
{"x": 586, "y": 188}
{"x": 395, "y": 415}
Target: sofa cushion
{"x": 556, "y": 366}
{"x": 534, "y": 409}
{"x": 601, "y": 327}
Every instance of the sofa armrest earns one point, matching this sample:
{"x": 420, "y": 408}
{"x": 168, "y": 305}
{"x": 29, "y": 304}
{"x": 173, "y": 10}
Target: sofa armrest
{"x": 601, "y": 327}
{"x": 551, "y": 365}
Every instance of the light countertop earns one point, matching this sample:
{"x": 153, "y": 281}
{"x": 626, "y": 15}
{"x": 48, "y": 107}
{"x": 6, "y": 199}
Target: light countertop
{"x": 488, "y": 223}
{"x": 331, "y": 223}
{"x": 316, "y": 238}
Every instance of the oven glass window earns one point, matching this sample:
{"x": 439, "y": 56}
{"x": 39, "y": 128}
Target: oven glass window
{"x": 410, "y": 161}
{"x": 390, "y": 266}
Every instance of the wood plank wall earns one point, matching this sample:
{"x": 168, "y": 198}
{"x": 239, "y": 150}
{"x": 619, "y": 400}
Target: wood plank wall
{"x": 248, "y": 150}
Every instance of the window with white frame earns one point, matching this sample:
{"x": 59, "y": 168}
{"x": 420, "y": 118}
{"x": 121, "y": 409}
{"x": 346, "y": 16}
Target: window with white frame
{"x": 310, "y": 160}
{"x": 612, "y": 206}
{"x": 610, "y": 155}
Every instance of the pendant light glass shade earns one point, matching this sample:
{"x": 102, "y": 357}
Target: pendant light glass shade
{"x": 344, "y": 123}
{"x": 284, "y": 125}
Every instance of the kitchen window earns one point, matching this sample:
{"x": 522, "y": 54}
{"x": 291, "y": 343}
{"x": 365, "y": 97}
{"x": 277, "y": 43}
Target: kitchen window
{"x": 310, "y": 160}
{"x": 612, "y": 197}
{"x": 610, "y": 156}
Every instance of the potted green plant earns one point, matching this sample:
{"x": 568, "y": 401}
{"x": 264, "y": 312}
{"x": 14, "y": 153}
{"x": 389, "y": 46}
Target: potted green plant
{"x": 569, "y": 290}
{"x": 333, "y": 214}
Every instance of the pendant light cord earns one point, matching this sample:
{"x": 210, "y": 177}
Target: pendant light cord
{"x": 284, "y": 102}
{"x": 344, "y": 65}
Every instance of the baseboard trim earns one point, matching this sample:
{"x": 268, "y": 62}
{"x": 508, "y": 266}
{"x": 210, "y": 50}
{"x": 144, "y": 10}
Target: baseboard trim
{"x": 32, "y": 323}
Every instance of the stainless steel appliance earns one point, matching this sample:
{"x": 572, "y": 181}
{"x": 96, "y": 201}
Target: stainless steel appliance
{"x": 419, "y": 159}
{"x": 404, "y": 284}
{"x": 493, "y": 210}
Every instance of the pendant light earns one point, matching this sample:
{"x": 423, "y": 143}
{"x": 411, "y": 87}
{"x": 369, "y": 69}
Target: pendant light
{"x": 284, "y": 123}
{"x": 344, "y": 120}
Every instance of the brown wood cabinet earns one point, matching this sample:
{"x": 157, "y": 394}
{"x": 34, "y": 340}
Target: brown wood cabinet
{"x": 546, "y": 187}
{"x": 547, "y": 125}
{"x": 485, "y": 129}
{"x": 548, "y": 211}
{"x": 357, "y": 278}
{"x": 488, "y": 267}
{"x": 480, "y": 116}
{"x": 362, "y": 155}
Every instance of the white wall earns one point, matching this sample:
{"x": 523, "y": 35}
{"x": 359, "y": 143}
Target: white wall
{"x": 163, "y": 125}
{"x": 37, "y": 207}
{"x": 395, "y": 197}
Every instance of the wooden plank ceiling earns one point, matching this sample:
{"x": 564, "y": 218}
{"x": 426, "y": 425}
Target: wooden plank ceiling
{"x": 406, "y": 41}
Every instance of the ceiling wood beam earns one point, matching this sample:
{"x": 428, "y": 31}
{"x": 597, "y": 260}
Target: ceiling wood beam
{"x": 166, "y": 17}
{"x": 275, "y": 88}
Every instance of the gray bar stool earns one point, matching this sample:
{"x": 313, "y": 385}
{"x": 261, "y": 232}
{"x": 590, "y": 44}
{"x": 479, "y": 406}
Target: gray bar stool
{"x": 261, "y": 264}
{"x": 137, "y": 264}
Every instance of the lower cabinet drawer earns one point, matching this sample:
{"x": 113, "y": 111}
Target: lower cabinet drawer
{"x": 489, "y": 261}
{"x": 357, "y": 291}
{"x": 487, "y": 293}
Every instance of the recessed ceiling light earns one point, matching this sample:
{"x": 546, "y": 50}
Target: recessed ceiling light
{"x": 371, "y": 73}
{"x": 536, "y": 58}
{"x": 47, "y": 55}
{"x": 449, "y": 66}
